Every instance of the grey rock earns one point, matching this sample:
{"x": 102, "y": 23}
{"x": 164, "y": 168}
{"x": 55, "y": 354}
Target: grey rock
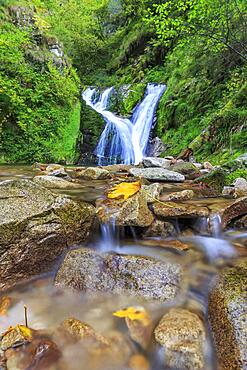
{"x": 179, "y": 195}
{"x": 189, "y": 170}
{"x": 152, "y": 191}
{"x": 156, "y": 162}
{"x": 157, "y": 174}
{"x": 160, "y": 229}
{"x": 93, "y": 173}
{"x": 156, "y": 147}
{"x": 240, "y": 186}
{"x": 86, "y": 270}
{"x": 36, "y": 226}
{"x": 182, "y": 335}
{"x": 52, "y": 182}
{"x": 228, "y": 316}
{"x": 228, "y": 191}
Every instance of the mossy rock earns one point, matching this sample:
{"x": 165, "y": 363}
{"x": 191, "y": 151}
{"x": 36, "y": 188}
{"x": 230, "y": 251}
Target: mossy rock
{"x": 215, "y": 179}
{"x": 189, "y": 170}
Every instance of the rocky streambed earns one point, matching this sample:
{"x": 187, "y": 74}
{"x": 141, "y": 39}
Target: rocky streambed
{"x": 153, "y": 281}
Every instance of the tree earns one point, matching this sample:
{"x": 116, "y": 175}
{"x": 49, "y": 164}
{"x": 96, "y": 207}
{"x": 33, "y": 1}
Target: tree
{"x": 220, "y": 23}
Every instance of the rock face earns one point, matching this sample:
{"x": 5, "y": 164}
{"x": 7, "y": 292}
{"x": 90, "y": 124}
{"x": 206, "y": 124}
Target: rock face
{"x": 36, "y": 226}
{"x": 87, "y": 270}
{"x": 160, "y": 229}
{"x": 240, "y": 186}
{"x": 93, "y": 173}
{"x": 182, "y": 335}
{"x": 131, "y": 212}
{"x": 228, "y": 316}
{"x": 156, "y": 162}
{"x": 157, "y": 174}
{"x": 53, "y": 182}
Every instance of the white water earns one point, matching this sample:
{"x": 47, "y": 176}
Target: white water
{"x": 124, "y": 140}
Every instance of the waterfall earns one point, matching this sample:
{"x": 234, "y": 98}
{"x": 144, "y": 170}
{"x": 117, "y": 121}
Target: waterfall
{"x": 124, "y": 140}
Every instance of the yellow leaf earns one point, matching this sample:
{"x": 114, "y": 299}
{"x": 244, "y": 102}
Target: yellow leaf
{"x": 124, "y": 190}
{"x": 134, "y": 313}
{"x": 25, "y": 332}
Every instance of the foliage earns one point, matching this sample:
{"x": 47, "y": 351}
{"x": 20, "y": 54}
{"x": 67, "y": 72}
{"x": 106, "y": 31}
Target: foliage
{"x": 236, "y": 174}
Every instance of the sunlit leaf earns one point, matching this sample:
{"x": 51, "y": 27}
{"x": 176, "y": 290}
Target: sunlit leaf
{"x": 124, "y": 190}
{"x": 134, "y": 313}
{"x": 23, "y": 330}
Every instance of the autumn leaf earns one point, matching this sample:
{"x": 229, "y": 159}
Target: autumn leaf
{"x": 134, "y": 313}
{"x": 124, "y": 190}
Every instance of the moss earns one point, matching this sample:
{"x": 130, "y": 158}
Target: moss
{"x": 234, "y": 175}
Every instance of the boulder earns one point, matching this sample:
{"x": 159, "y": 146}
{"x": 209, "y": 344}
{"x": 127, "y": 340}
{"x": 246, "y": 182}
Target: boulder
{"x": 93, "y": 173}
{"x": 228, "y": 191}
{"x": 36, "y": 226}
{"x": 227, "y": 315}
{"x": 156, "y": 162}
{"x": 86, "y": 270}
{"x": 152, "y": 191}
{"x": 189, "y": 170}
{"x": 117, "y": 168}
{"x": 232, "y": 211}
{"x": 157, "y": 174}
{"x": 215, "y": 179}
{"x": 182, "y": 335}
{"x": 208, "y": 166}
{"x": 241, "y": 223}
{"x": 179, "y": 210}
{"x": 156, "y": 147}
{"x": 133, "y": 211}
{"x": 52, "y": 182}
{"x": 160, "y": 229}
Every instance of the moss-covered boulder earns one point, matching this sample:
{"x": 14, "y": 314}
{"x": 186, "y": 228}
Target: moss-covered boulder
{"x": 189, "y": 170}
{"x": 36, "y": 227}
{"x": 228, "y": 316}
{"x": 214, "y": 179}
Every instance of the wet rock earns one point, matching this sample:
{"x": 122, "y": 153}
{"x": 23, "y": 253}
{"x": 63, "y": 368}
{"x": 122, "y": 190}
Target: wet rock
{"x": 189, "y": 170}
{"x": 156, "y": 147}
{"x": 117, "y": 168}
{"x": 179, "y": 195}
{"x": 89, "y": 271}
{"x": 140, "y": 330}
{"x": 227, "y": 314}
{"x": 152, "y": 191}
{"x": 160, "y": 229}
{"x": 156, "y": 162}
{"x": 14, "y": 337}
{"x": 179, "y": 210}
{"x": 93, "y": 173}
{"x": 80, "y": 331}
{"x": 157, "y": 174}
{"x": 52, "y": 182}
{"x": 215, "y": 179}
{"x": 240, "y": 187}
{"x": 182, "y": 335}
{"x": 36, "y": 226}
{"x": 241, "y": 223}
{"x": 133, "y": 211}
{"x": 232, "y": 211}
{"x": 198, "y": 165}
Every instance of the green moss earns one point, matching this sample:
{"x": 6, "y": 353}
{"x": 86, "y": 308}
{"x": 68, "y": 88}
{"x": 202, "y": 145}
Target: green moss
{"x": 234, "y": 175}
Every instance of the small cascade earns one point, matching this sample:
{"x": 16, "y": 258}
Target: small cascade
{"x": 124, "y": 140}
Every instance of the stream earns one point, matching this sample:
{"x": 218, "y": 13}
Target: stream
{"x": 202, "y": 253}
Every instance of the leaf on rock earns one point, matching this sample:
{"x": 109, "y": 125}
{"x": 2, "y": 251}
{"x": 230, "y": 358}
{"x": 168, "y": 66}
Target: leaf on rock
{"x": 16, "y": 335}
{"x": 134, "y": 313}
{"x": 124, "y": 190}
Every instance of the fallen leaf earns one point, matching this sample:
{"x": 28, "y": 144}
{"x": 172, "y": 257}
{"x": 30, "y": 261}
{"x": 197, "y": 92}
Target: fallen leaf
{"x": 134, "y": 313}
{"x": 124, "y": 190}
{"x": 5, "y": 303}
{"x": 16, "y": 335}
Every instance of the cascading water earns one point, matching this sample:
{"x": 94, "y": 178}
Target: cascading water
{"x": 124, "y": 140}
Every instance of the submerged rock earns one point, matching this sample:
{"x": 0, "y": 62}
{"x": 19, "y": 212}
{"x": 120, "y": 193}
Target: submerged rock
{"x": 157, "y": 174}
{"x": 93, "y": 173}
{"x": 36, "y": 226}
{"x": 179, "y": 195}
{"x": 182, "y": 335}
{"x": 160, "y": 229}
{"x": 85, "y": 269}
{"x": 228, "y": 316}
{"x": 156, "y": 162}
{"x": 52, "y": 182}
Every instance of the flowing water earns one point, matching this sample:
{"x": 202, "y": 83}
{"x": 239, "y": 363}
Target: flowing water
{"x": 124, "y": 140}
{"x": 48, "y": 306}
